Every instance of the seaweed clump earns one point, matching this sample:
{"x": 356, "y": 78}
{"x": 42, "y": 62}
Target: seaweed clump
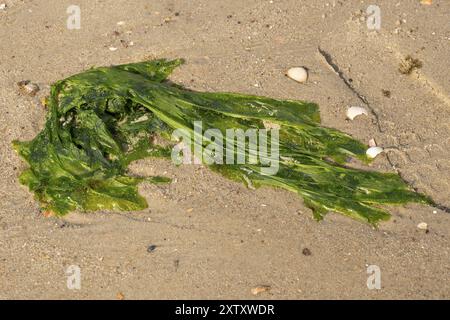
{"x": 104, "y": 118}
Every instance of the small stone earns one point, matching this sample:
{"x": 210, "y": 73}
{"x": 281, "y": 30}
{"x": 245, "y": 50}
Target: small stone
{"x": 386, "y": 93}
{"x": 189, "y": 210}
{"x": 306, "y": 252}
{"x": 422, "y": 226}
{"x": 151, "y": 248}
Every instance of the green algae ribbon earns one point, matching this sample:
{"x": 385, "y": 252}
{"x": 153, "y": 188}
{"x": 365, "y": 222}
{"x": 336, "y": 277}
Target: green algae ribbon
{"x": 101, "y": 120}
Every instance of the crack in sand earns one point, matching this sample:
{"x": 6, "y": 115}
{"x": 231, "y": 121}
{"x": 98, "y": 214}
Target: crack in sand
{"x": 329, "y": 61}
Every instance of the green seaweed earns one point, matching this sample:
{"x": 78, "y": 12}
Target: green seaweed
{"x": 102, "y": 119}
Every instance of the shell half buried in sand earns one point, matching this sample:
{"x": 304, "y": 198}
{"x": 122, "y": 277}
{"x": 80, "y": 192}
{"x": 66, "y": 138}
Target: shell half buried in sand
{"x": 372, "y": 152}
{"x": 298, "y": 74}
{"x": 353, "y": 112}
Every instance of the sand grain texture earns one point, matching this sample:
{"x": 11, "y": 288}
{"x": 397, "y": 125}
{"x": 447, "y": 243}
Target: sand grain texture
{"x": 229, "y": 243}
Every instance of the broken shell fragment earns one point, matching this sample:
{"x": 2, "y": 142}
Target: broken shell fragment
{"x": 298, "y": 74}
{"x": 26, "y": 87}
{"x": 422, "y": 226}
{"x": 260, "y": 289}
{"x": 372, "y": 152}
{"x": 353, "y": 112}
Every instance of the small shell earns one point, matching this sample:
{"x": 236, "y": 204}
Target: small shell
{"x": 353, "y": 112}
{"x": 372, "y": 152}
{"x": 422, "y": 226}
{"x": 3, "y": 6}
{"x": 260, "y": 289}
{"x": 112, "y": 48}
{"x": 120, "y": 296}
{"x": 27, "y": 87}
{"x": 298, "y": 74}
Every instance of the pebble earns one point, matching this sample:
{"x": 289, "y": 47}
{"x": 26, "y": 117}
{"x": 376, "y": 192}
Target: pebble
{"x": 306, "y": 252}
{"x": 28, "y": 88}
{"x": 298, "y": 74}
{"x": 151, "y": 248}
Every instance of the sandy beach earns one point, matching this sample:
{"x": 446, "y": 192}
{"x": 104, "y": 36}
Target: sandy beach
{"x": 206, "y": 237}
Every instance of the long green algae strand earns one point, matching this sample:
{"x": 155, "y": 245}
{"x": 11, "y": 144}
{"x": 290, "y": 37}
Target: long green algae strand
{"x": 102, "y": 119}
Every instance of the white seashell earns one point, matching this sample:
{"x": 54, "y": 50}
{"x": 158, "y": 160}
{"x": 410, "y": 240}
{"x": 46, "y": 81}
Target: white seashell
{"x": 112, "y": 48}
{"x": 3, "y": 6}
{"x": 353, "y": 112}
{"x": 120, "y": 23}
{"x": 298, "y": 74}
{"x": 422, "y": 226}
{"x": 372, "y": 152}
